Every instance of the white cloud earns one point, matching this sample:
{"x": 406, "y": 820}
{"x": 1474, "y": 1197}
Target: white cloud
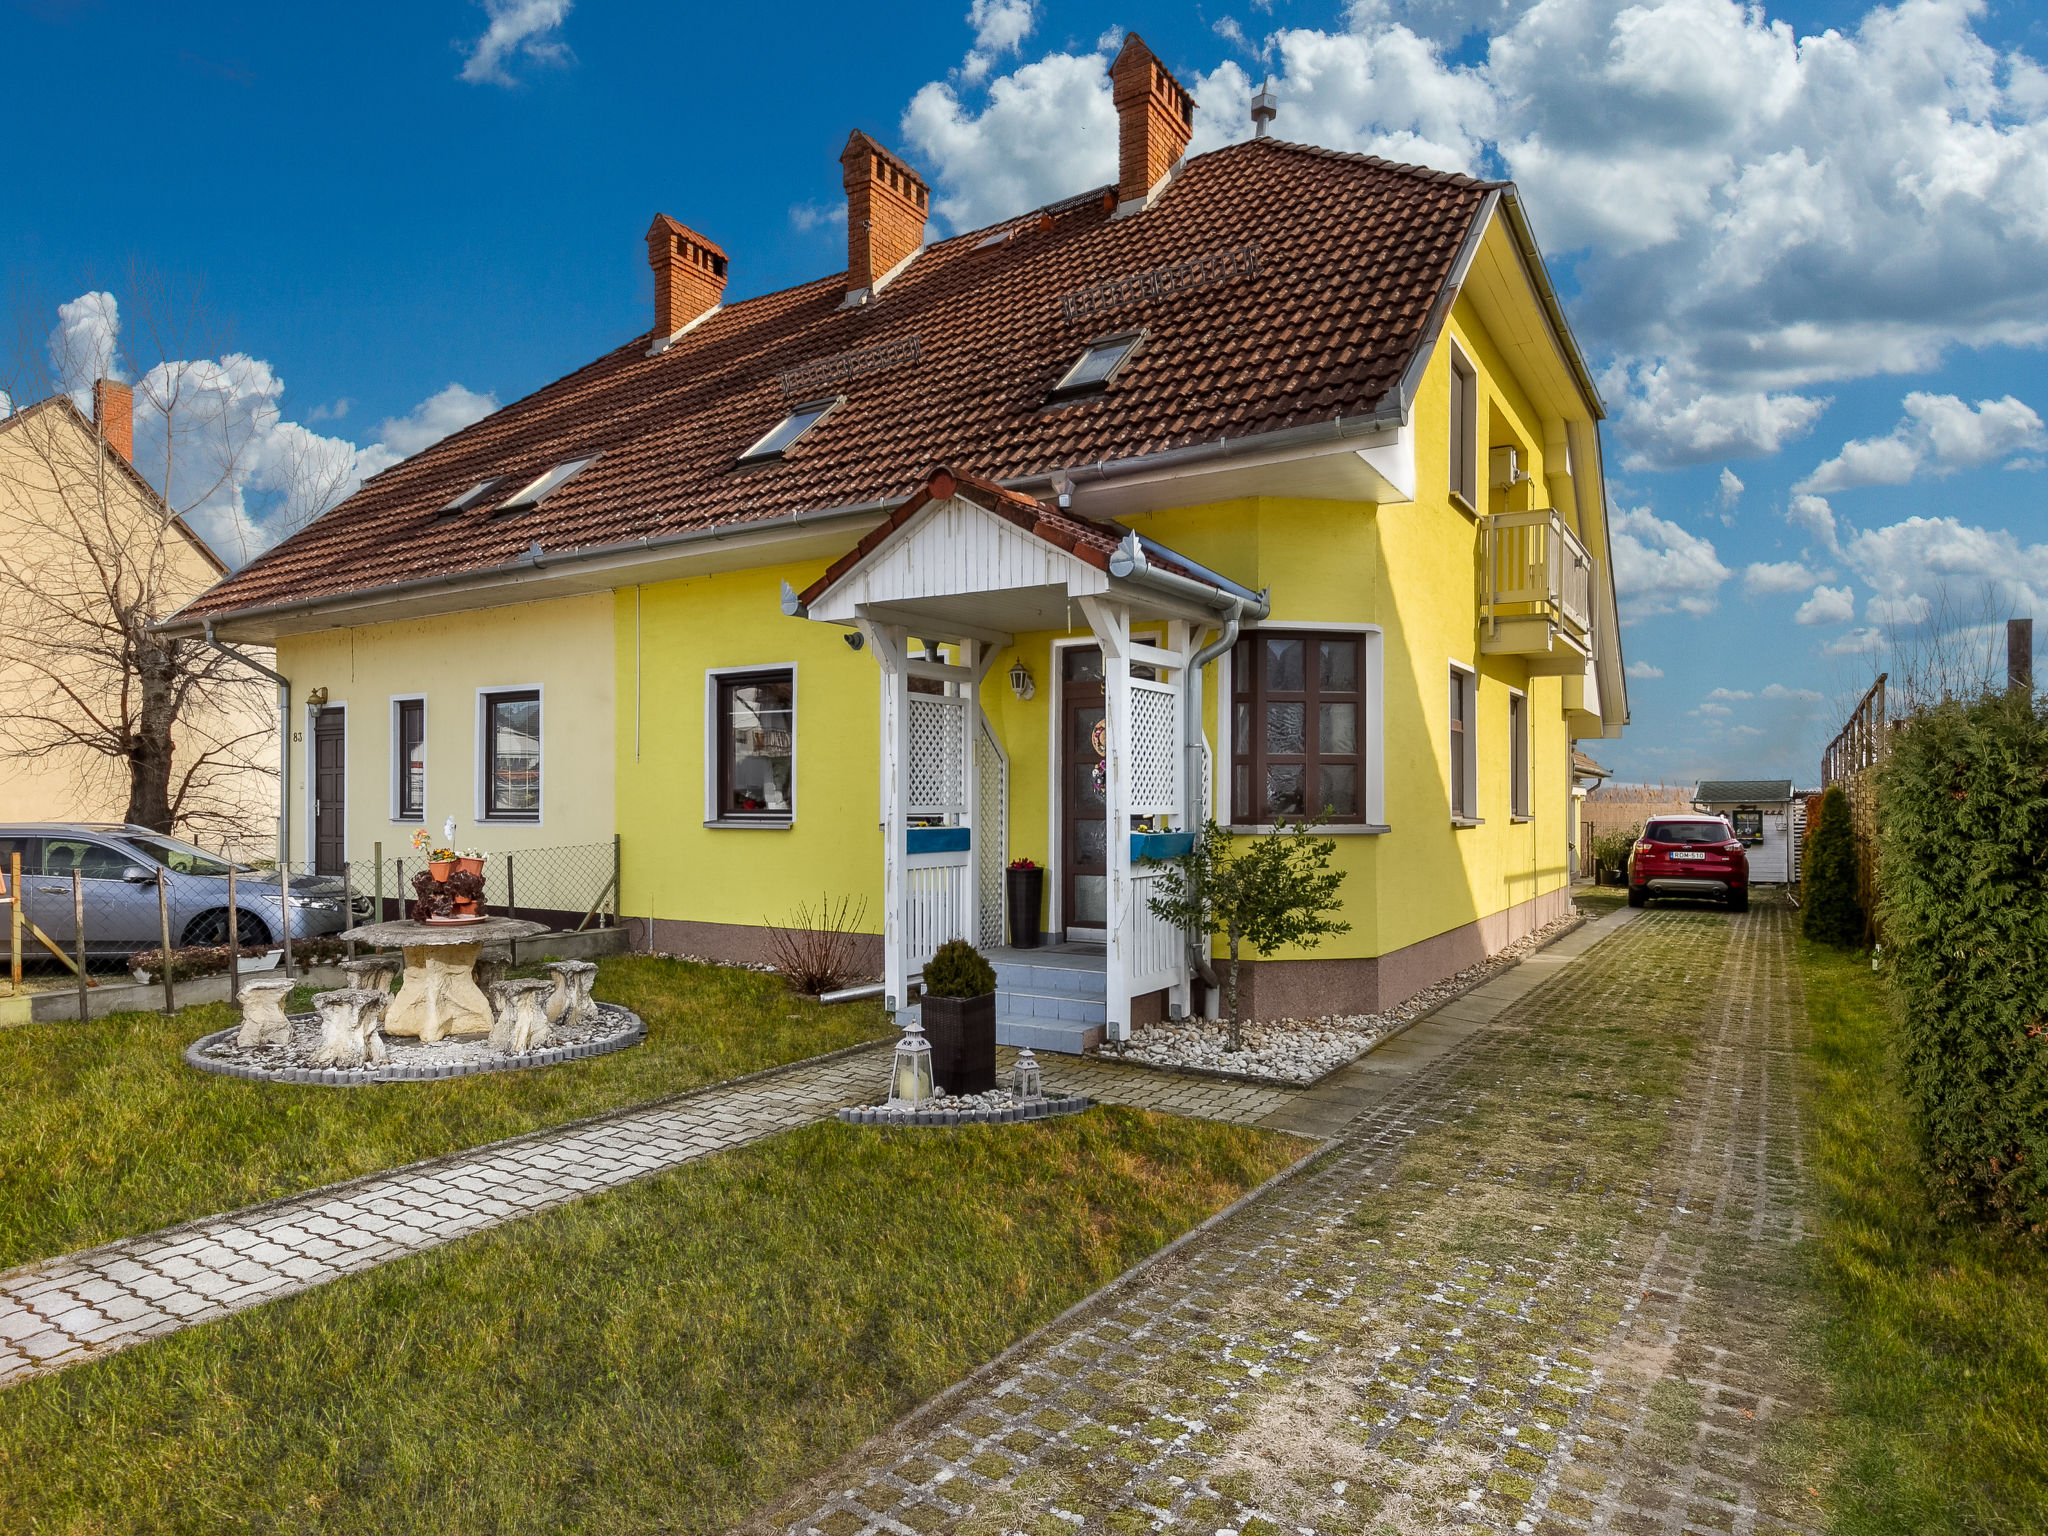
{"x": 1730, "y": 695}
{"x": 1796, "y": 695}
{"x": 1939, "y": 435}
{"x": 1828, "y": 605}
{"x": 85, "y": 344}
{"x": 1714, "y": 182}
{"x": 1000, "y": 27}
{"x": 1818, "y": 518}
{"x": 1643, "y": 671}
{"x": 1920, "y": 557}
{"x": 518, "y": 28}
{"x": 1731, "y": 487}
{"x": 1911, "y": 608}
{"x": 1857, "y": 642}
{"x": 1763, "y": 578}
{"x": 446, "y": 411}
{"x": 809, "y": 216}
{"x": 1661, "y": 568}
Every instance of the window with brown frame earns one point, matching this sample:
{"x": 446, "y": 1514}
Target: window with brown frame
{"x": 1464, "y": 764}
{"x": 757, "y": 747}
{"x": 1518, "y": 756}
{"x": 512, "y": 755}
{"x": 412, "y": 759}
{"x": 1298, "y": 728}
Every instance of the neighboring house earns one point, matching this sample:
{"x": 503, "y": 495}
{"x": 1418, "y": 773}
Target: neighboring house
{"x": 1587, "y": 776}
{"x": 1762, "y": 813}
{"x": 1260, "y": 485}
{"x": 85, "y": 540}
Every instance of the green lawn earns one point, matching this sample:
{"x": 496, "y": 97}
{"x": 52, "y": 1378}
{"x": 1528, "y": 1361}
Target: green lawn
{"x": 1599, "y": 900}
{"x": 1938, "y": 1348}
{"x": 105, "y": 1132}
{"x": 667, "y": 1357}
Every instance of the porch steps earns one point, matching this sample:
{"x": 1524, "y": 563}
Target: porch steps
{"x": 1052, "y": 999}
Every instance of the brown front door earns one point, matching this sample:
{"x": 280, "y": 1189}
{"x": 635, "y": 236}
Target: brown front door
{"x": 330, "y": 790}
{"x": 1084, "y": 841}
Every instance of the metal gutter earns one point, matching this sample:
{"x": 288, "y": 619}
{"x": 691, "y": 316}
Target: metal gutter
{"x": 1129, "y": 564}
{"x": 1553, "y": 309}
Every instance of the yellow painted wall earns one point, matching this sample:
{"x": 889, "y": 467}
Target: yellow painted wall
{"x": 562, "y": 646}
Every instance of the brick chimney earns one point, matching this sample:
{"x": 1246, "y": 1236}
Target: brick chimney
{"x": 1155, "y": 118}
{"x": 113, "y": 415}
{"x": 689, "y": 275}
{"x": 886, "y": 207}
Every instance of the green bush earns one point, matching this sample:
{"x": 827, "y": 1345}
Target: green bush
{"x": 957, "y": 970}
{"x": 1612, "y": 848}
{"x": 1833, "y": 914}
{"x": 1963, "y": 872}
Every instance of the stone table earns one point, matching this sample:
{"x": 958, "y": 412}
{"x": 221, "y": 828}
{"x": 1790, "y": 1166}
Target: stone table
{"x": 438, "y": 995}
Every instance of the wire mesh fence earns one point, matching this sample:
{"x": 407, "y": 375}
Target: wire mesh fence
{"x": 81, "y": 907}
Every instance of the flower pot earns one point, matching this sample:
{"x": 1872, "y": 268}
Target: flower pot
{"x": 464, "y": 906}
{"x": 1027, "y": 899}
{"x": 440, "y": 869}
{"x": 962, "y": 1032}
{"x": 470, "y": 867}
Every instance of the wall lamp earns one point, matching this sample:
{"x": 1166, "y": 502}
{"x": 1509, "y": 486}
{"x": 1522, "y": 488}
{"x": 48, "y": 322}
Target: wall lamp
{"x": 1021, "y": 683}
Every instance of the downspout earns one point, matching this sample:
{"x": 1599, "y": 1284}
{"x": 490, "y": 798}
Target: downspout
{"x": 1233, "y": 607}
{"x": 284, "y": 798}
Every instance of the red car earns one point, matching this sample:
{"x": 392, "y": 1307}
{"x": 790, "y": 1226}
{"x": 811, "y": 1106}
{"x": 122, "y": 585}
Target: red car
{"x": 1688, "y": 856}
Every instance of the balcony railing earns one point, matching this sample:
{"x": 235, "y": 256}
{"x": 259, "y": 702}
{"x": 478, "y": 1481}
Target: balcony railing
{"x": 1532, "y": 566}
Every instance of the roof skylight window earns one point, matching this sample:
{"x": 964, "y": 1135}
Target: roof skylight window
{"x": 1099, "y": 364}
{"x": 785, "y": 434}
{"x": 547, "y": 484}
{"x": 1000, "y": 237}
{"x": 475, "y": 494}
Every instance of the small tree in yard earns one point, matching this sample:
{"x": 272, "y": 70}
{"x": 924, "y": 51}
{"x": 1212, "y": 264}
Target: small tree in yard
{"x": 1833, "y": 915}
{"x": 1267, "y": 892}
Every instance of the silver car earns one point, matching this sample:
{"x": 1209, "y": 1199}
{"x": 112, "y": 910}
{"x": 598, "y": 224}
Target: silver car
{"x": 121, "y": 867}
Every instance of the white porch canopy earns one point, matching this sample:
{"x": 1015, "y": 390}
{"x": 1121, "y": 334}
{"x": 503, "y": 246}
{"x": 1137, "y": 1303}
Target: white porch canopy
{"x": 970, "y": 564}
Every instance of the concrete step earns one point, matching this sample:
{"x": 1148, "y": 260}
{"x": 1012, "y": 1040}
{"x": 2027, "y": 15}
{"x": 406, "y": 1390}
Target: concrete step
{"x": 1067, "y": 1037}
{"x": 1050, "y": 975}
{"x": 1070, "y": 1006}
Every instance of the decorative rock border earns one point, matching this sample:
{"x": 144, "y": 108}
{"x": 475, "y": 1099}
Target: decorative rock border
{"x": 633, "y": 1032}
{"x": 1009, "y": 1114}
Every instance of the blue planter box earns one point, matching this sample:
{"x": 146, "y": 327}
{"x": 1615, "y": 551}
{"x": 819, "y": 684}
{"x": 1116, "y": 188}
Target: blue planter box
{"x": 938, "y": 839}
{"x": 1160, "y": 846}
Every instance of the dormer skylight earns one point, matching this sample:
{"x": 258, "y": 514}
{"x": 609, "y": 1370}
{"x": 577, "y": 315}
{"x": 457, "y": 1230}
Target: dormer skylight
{"x": 1099, "y": 364}
{"x": 1000, "y": 237}
{"x": 474, "y": 495}
{"x": 787, "y": 432}
{"x": 534, "y": 494}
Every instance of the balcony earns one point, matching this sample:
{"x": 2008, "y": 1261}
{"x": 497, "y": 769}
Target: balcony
{"x": 1535, "y": 591}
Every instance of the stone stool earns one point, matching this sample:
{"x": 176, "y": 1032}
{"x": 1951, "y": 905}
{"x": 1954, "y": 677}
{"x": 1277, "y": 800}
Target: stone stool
{"x": 569, "y": 1004}
{"x": 263, "y": 1016}
{"x": 351, "y": 1027}
{"x": 519, "y": 1020}
{"x": 374, "y": 973}
{"x": 490, "y": 970}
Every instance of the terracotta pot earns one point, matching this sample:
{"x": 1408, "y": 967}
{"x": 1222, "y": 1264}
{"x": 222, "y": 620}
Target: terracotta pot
{"x": 440, "y": 869}
{"x": 462, "y": 904}
{"x": 470, "y": 867}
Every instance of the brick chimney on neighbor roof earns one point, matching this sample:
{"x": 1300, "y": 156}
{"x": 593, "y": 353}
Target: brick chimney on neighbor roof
{"x": 886, "y": 207}
{"x": 1155, "y": 118}
{"x": 113, "y": 415}
{"x": 689, "y": 274}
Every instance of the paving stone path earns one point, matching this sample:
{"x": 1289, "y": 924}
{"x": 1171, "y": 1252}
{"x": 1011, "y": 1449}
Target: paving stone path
{"x": 1540, "y": 1283}
{"x": 60, "y": 1311}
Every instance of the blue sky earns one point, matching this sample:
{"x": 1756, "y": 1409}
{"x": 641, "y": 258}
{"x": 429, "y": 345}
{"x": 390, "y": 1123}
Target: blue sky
{"x": 1806, "y": 247}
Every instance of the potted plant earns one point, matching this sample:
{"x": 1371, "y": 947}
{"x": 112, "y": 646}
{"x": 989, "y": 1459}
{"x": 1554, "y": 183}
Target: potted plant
{"x": 471, "y": 862}
{"x": 440, "y": 861}
{"x": 1027, "y": 896}
{"x": 959, "y": 1018}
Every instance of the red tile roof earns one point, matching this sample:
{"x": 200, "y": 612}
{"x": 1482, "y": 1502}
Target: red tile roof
{"x": 959, "y": 354}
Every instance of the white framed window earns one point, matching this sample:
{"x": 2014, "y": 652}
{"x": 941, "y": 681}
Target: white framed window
{"x": 509, "y": 754}
{"x": 1464, "y": 746}
{"x": 750, "y": 746}
{"x": 1464, "y": 421}
{"x": 1518, "y": 755}
{"x": 409, "y": 757}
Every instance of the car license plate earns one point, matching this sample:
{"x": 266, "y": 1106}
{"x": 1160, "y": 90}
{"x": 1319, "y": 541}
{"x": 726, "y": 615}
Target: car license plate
{"x": 1688, "y": 855}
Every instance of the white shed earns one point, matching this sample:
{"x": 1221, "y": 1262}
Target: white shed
{"x": 1760, "y": 811}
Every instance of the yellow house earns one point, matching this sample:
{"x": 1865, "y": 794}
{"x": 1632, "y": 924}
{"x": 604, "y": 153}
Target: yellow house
{"x": 89, "y": 554}
{"x": 1257, "y": 485}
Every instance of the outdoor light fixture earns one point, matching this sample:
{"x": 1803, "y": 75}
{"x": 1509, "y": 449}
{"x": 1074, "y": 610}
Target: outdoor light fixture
{"x": 1020, "y": 680}
{"x": 854, "y": 639}
{"x": 910, "y": 1081}
{"x": 1024, "y": 1081}
{"x": 316, "y": 699}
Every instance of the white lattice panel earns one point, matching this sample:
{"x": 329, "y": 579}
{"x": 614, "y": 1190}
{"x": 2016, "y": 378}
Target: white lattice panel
{"x": 991, "y": 834}
{"x": 938, "y": 758}
{"x": 1155, "y": 750}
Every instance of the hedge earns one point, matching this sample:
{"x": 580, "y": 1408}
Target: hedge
{"x": 1831, "y": 914}
{"x": 1963, "y": 907}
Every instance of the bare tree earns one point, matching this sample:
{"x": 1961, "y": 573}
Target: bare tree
{"x": 96, "y": 550}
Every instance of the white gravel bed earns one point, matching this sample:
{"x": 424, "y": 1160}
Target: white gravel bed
{"x": 1299, "y": 1051}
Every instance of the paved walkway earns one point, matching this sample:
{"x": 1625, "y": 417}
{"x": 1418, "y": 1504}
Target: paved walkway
{"x": 1540, "y": 1284}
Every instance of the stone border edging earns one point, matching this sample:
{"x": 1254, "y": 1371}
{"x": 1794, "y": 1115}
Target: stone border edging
{"x": 1009, "y": 1114}
{"x": 1395, "y": 1033}
{"x": 336, "y": 1077}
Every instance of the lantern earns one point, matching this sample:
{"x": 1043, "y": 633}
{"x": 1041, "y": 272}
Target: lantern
{"x": 910, "y": 1079}
{"x": 1024, "y": 1079}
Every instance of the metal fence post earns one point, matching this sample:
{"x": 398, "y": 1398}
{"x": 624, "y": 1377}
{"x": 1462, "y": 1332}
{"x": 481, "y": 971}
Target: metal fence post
{"x": 618, "y": 879}
{"x": 348, "y": 902}
{"x": 511, "y": 891}
{"x": 284, "y": 912}
{"x": 402, "y": 902}
{"x": 78, "y": 928}
{"x": 163, "y": 922}
{"x": 234, "y": 939}
{"x": 14, "y": 920}
{"x": 377, "y": 912}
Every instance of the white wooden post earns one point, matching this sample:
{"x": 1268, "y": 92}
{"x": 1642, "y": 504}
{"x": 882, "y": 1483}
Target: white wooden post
{"x": 1112, "y": 627}
{"x": 1184, "y": 640}
{"x": 967, "y": 922}
{"x": 888, "y": 642}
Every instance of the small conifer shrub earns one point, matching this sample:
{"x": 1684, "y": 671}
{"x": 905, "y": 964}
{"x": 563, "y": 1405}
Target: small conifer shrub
{"x": 1963, "y": 876}
{"x": 1832, "y": 914}
{"x": 956, "y": 969}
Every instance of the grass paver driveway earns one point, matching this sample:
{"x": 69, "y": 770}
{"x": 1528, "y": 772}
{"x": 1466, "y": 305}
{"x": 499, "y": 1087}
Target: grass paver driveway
{"x": 1551, "y": 1282}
